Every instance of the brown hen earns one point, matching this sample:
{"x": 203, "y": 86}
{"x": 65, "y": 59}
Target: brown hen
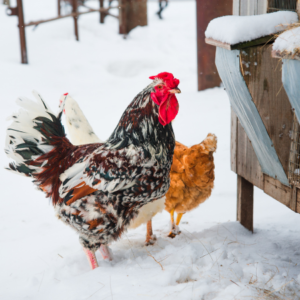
{"x": 192, "y": 179}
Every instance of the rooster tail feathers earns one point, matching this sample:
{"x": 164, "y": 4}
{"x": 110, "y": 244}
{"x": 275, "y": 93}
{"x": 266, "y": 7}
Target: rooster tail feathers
{"x": 31, "y": 135}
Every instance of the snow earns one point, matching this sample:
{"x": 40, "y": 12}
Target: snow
{"x": 288, "y": 41}
{"x": 214, "y": 257}
{"x": 238, "y": 29}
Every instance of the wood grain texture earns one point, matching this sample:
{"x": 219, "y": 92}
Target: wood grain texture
{"x": 277, "y": 190}
{"x": 133, "y": 13}
{"x": 260, "y": 41}
{"x": 294, "y": 153}
{"x": 293, "y": 205}
{"x": 245, "y": 202}
{"x": 233, "y": 142}
{"x": 248, "y": 167}
{"x": 298, "y": 201}
{"x": 247, "y": 163}
{"x": 208, "y": 76}
{"x": 228, "y": 64}
{"x": 216, "y": 43}
{"x": 262, "y": 74}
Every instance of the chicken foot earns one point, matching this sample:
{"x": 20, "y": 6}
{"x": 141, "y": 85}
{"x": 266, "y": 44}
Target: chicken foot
{"x": 105, "y": 252}
{"x": 150, "y": 237}
{"x": 175, "y": 227}
{"x": 91, "y": 258}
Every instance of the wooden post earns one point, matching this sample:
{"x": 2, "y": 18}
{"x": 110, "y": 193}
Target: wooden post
{"x": 245, "y": 202}
{"x": 22, "y": 32}
{"x": 75, "y": 6}
{"x": 122, "y": 17}
{"x": 206, "y": 11}
{"x": 102, "y": 15}
{"x": 298, "y": 8}
{"x": 132, "y": 13}
{"x": 58, "y": 8}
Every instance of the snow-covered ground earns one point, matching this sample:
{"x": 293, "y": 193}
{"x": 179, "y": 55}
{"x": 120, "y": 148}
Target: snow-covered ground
{"x": 214, "y": 257}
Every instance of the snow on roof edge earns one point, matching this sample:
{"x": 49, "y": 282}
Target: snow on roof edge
{"x": 288, "y": 41}
{"x": 237, "y": 29}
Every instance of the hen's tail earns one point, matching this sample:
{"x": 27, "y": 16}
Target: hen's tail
{"x": 36, "y": 142}
{"x": 210, "y": 143}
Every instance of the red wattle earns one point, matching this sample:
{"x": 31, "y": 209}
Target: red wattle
{"x": 168, "y": 110}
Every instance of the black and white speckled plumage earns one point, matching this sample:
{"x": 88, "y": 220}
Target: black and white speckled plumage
{"x": 103, "y": 185}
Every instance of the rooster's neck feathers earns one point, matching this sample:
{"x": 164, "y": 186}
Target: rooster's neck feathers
{"x": 139, "y": 126}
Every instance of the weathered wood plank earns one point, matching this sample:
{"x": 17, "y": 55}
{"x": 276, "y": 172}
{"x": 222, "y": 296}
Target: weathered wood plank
{"x": 260, "y": 41}
{"x": 277, "y": 190}
{"x": 298, "y": 201}
{"x": 248, "y": 167}
{"x": 208, "y": 76}
{"x": 245, "y": 202}
{"x": 233, "y": 142}
{"x": 294, "y": 154}
{"x": 217, "y": 43}
{"x": 293, "y": 205}
{"x": 247, "y": 163}
{"x": 133, "y": 13}
{"x": 262, "y": 75}
{"x": 228, "y": 65}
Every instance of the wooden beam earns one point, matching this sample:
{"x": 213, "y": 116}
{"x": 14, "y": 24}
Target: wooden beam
{"x": 75, "y": 8}
{"x": 245, "y": 202}
{"x": 208, "y": 76}
{"x": 277, "y": 190}
{"x": 102, "y": 15}
{"x": 263, "y": 76}
{"x": 218, "y": 43}
{"x": 260, "y": 41}
{"x": 233, "y": 141}
{"x": 58, "y": 8}
{"x": 294, "y": 199}
{"x": 132, "y": 13}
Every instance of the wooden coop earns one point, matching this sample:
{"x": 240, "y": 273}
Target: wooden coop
{"x": 265, "y": 147}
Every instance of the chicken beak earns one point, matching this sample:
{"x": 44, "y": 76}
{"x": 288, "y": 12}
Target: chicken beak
{"x": 175, "y": 91}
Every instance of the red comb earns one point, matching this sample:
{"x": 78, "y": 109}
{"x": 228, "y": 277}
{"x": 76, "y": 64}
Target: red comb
{"x": 168, "y": 78}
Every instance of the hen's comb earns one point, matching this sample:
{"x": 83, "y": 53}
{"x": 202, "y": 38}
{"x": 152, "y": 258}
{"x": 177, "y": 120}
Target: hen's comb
{"x": 168, "y": 78}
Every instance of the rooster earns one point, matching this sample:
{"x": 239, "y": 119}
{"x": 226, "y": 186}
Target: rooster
{"x": 80, "y": 132}
{"x": 192, "y": 179}
{"x": 192, "y": 173}
{"x": 97, "y": 189}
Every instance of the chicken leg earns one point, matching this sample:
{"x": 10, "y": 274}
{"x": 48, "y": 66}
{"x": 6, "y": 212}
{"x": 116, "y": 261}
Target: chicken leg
{"x": 91, "y": 258}
{"x": 175, "y": 227}
{"x": 150, "y": 237}
{"x": 105, "y": 252}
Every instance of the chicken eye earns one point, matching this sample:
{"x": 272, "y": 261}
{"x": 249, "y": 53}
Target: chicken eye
{"x": 159, "y": 86}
